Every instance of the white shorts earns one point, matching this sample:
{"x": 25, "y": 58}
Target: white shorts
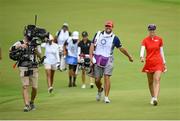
{"x": 50, "y": 66}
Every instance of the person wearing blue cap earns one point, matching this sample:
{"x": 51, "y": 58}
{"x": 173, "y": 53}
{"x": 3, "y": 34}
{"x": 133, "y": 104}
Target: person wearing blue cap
{"x": 155, "y": 62}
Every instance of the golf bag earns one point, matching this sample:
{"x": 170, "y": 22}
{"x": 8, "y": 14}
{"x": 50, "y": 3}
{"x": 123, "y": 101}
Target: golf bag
{"x": 84, "y": 63}
{"x": 62, "y": 59}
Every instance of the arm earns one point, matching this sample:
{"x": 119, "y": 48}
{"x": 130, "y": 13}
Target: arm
{"x": 79, "y": 52}
{"x": 64, "y": 49}
{"x": 162, "y": 54}
{"x": 163, "y": 57}
{"x": 125, "y": 52}
{"x": 91, "y": 50}
{"x": 142, "y": 53}
{"x": 57, "y": 54}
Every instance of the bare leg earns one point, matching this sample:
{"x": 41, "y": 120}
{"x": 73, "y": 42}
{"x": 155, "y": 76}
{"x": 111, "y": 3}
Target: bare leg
{"x": 48, "y": 75}
{"x": 98, "y": 84}
{"x": 33, "y": 94}
{"x": 83, "y": 76}
{"x": 91, "y": 82}
{"x": 52, "y": 77}
{"x": 150, "y": 83}
{"x": 156, "y": 78}
{"x": 25, "y": 94}
{"x": 70, "y": 77}
{"x": 74, "y": 76}
{"x": 107, "y": 85}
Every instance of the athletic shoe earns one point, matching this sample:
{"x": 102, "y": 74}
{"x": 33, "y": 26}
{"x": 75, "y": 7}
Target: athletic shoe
{"x": 27, "y": 108}
{"x": 91, "y": 85}
{"x": 83, "y": 86}
{"x": 50, "y": 89}
{"x": 32, "y": 106}
{"x": 70, "y": 84}
{"x": 99, "y": 95}
{"x": 155, "y": 102}
{"x": 74, "y": 84}
{"x": 152, "y": 100}
{"x": 106, "y": 100}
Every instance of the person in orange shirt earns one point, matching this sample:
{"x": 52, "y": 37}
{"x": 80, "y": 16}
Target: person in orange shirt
{"x": 155, "y": 62}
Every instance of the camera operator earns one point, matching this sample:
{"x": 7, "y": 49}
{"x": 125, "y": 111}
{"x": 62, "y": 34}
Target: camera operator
{"x": 28, "y": 64}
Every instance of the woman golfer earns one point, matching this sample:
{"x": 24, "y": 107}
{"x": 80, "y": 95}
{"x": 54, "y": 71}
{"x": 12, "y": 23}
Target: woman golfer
{"x": 51, "y": 62}
{"x": 155, "y": 62}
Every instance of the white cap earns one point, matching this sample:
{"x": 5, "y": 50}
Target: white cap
{"x": 51, "y": 37}
{"x": 75, "y": 35}
{"x": 65, "y": 24}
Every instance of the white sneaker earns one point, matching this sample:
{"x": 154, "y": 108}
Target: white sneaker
{"x": 99, "y": 95}
{"x": 154, "y": 101}
{"x": 50, "y": 89}
{"x": 106, "y": 100}
{"x": 83, "y": 86}
{"x": 91, "y": 85}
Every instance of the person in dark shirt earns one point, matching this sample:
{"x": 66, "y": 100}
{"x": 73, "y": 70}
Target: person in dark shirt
{"x": 84, "y": 46}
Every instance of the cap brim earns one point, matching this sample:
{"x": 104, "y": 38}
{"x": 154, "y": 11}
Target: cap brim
{"x": 109, "y": 25}
{"x": 75, "y": 37}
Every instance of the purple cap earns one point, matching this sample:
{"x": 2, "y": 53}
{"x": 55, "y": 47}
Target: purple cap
{"x": 151, "y": 27}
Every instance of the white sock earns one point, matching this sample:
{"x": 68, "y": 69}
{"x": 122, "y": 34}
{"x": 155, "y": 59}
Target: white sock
{"x": 106, "y": 97}
{"x": 155, "y": 98}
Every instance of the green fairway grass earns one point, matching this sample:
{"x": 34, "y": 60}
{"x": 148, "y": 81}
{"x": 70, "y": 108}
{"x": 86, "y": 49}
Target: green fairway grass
{"x": 129, "y": 93}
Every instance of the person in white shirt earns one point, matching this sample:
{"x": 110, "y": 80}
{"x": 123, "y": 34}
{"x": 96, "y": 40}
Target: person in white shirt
{"x": 71, "y": 53}
{"x": 61, "y": 36}
{"x": 51, "y": 62}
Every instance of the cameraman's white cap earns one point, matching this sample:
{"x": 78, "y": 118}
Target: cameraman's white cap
{"x": 51, "y": 37}
{"x": 75, "y": 35}
{"x": 65, "y": 24}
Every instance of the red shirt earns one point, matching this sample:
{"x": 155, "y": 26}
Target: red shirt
{"x": 152, "y": 46}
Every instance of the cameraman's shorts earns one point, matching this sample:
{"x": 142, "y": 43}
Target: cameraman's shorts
{"x": 29, "y": 80}
{"x": 50, "y": 66}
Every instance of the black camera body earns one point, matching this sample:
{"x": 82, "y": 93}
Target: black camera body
{"x": 26, "y": 56}
{"x": 35, "y": 35}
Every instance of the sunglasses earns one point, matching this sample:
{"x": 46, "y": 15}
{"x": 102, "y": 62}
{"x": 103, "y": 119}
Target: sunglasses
{"x": 108, "y": 26}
